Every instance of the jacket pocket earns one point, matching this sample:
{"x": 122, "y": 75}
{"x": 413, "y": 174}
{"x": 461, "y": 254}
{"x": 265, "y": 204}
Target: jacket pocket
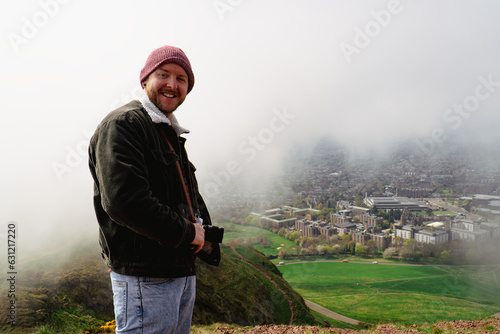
{"x": 164, "y": 158}
{"x": 163, "y": 176}
{"x": 163, "y": 166}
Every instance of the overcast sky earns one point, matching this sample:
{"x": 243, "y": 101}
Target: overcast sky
{"x": 269, "y": 74}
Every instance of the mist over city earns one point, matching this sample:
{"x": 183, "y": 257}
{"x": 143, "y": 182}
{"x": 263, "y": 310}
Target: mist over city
{"x": 309, "y": 105}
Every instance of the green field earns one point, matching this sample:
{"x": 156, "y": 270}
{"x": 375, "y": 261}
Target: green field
{"x": 441, "y": 213}
{"x": 236, "y": 232}
{"x": 376, "y": 293}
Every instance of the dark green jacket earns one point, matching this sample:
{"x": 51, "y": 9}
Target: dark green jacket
{"x": 138, "y": 196}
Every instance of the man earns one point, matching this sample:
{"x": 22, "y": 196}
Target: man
{"x": 147, "y": 201}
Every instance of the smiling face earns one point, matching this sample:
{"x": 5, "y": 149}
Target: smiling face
{"x": 167, "y": 87}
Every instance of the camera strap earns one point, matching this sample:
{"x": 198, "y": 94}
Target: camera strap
{"x": 183, "y": 180}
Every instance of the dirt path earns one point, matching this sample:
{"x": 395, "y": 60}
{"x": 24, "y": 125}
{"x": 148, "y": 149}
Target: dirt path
{"x": 270, "y": 278}
{"x": 331, "y": 314}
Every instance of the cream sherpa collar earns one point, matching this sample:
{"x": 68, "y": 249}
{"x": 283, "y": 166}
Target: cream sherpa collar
{"x": 158, "y": 117}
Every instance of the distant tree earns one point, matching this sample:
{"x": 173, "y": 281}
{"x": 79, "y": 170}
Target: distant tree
{"x": 398, "y": 242}
{"x": 444, "y": 257}
{"x": 467, "y": 205}
{"x": 386, "y": 224}
{"x": 283, "y": 254}
{"x": 359, "y": 200}
{"x": 374, "y": 210}
{"x": 255, "y": 221}
{"x": 305, "y": 251}
{"x": 390, "y": 253}
{"x": 306, "y": 242}
{"x": 471, "y": 256}
{"x": 264, "y": 223}
{"x": 431, "y": 251}
{"x": 370, "y": 247}
{"x": 294, "y": 235}
{"x": 409, "y": 252}
{"x": 248, "y": 219}
{"x": 344, "y": 248}
{"x": 360, "y": 250}
{"x": 351, "y": 246}
{"x": 312, "y": 250}
{"x": 321, "y": 239}
{"x": 265, "y": 241}
{"x": 328, "y": 250}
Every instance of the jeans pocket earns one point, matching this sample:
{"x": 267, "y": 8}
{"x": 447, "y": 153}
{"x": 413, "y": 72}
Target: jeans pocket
{"x": 120, "y": 303}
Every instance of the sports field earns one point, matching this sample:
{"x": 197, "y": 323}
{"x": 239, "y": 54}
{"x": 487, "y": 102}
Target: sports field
{"x": 380, "y": 293}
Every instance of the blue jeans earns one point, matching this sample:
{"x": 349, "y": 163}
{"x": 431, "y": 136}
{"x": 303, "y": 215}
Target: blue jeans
{"x": 149, "y": 305}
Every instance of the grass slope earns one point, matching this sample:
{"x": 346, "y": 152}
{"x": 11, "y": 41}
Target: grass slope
{"x": 236, "y": 292}
{"x": 71, "y": 292}
{"x": 389, "y": 293}
{"x": 243, "y": 232}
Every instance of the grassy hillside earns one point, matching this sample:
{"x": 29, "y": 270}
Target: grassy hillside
{"x": 385, "y": 293}
{"x": 71, "y": 292}
{"x": 237, "y": 292}
{"x": 242, "y": 233}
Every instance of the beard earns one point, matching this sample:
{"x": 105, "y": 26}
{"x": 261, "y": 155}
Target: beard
{"x": 165, "y": 105}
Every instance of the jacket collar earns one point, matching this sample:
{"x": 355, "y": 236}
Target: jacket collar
{"x": 158, "y": 117}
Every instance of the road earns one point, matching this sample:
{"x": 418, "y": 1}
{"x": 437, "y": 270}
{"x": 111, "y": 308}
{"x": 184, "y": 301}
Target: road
{"x": 331, "y": 314}
{"x": 449, "y": 207}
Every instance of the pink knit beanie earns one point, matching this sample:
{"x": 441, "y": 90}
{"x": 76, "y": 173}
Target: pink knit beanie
{"x": 168, "y": 54}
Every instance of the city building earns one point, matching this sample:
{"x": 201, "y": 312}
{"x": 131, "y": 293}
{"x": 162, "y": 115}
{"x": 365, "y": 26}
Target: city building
{"x": 493, "y": 228}
{"x": 382, "y": 241}
{"x": 339, "y": 218}
{"x": 432, "y": 236}
{"x": 466, "y": 229}
{"x": 345, "y": 228}
{"x": 369, "y": 220}
{"x": 314, "y": 229}
{"x": 406, "y": 231}
{"x": 284, "y": 216}
{"x": 395, "y": 203}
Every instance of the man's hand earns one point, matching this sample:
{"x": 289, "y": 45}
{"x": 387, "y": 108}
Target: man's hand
{"x": 199, "y": 238}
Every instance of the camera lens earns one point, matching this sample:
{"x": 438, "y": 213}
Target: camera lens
{"x": 214, "y": 233}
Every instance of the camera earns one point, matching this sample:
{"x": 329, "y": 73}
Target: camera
{"x": 214, "y": 233}
{"x": 210, "y": 253}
